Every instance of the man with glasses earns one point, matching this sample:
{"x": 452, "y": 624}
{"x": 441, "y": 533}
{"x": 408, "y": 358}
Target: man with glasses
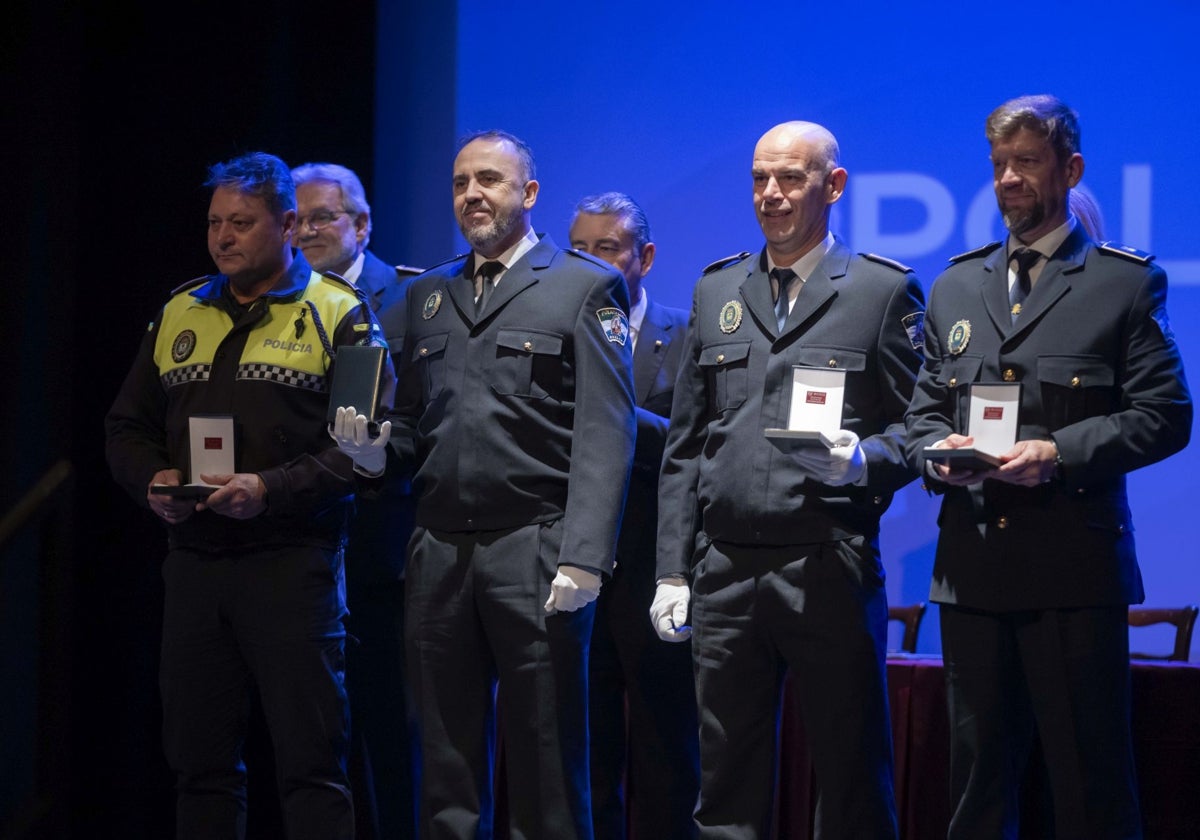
{"x": 333, "y": 230}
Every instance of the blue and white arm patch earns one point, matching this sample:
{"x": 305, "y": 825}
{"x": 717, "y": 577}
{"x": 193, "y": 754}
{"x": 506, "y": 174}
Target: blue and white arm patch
{"x": 614, "y": 323}
{"x": 914, "y": 325}
{"x": 1159, "y": 316}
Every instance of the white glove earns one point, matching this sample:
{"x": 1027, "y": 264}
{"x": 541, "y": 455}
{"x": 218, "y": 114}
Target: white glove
{"x": 669, "y": 611}
{"x": 571, "y": 589}
{"x": 349, "y": 430}
{"x": 843, "y": 464}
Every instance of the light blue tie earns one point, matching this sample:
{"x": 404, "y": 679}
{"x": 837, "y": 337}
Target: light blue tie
{"x": 783, "y": 277}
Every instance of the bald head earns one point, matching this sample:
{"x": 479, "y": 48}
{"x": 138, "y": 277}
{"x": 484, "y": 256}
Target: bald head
{"x": 822, "y": 145}
{"x": 796, "y": 181}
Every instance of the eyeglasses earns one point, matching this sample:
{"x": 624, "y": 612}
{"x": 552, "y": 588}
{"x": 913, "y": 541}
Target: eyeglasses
{"x": 320, "y": 219}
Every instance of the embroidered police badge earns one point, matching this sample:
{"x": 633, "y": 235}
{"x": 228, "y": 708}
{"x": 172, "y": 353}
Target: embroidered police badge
{"x": 960, "y": 334}
{"x": 731, "y": 317}
{"x": 182, "y": 346}
{"x": 616, "y": 326}
{"x": 1159, "y": 316}
{"x": 432, "y": 304}
{"x": 914, "y": 325}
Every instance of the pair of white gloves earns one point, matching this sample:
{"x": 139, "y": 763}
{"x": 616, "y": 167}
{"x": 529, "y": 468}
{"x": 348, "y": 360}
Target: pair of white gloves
{"x": 844, "y": 463}
{"x": 572, "y": 586}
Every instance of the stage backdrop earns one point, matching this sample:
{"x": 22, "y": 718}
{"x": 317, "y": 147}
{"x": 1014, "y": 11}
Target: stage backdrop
{"x": 666, "y": 101}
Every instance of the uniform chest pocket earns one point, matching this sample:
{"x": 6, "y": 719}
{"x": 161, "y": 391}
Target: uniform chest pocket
{"x": 726, "y": 367}
{"x": 528, "y": 364}
{"x": 1074, "y": 388}
{"x": 429, "y": 356}
{"x": 829, "y": 357}
{"x": 956, "y": 375}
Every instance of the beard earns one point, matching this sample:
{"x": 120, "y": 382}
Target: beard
{"x": 483, "y": 238}
{"x": 1020, "y": 221}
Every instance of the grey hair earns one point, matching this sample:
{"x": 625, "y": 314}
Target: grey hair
{"x": 354, "y": 197}
{"x": 618, "y": 204}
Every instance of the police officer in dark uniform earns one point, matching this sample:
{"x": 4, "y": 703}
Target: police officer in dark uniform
{"x": 642, "y": 711}
{"x": 775, "y": 546}
{"x": 516, "y": 406}
{"x": 253, "y": 573}
{"x": 1035, "y": 564}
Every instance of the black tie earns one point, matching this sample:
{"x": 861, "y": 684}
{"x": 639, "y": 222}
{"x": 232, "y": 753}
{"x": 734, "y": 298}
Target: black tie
{"x": 783, "y": 277}
{"x": 1026, "y": 259}
{"x": 487, "y": 272}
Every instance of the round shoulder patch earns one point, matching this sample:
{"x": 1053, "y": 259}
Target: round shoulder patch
{"x": 959, "y": 337}
{"x": 432, "y": 304}
{"x": 182, "y": 346}
{"x": 731, "y": 316}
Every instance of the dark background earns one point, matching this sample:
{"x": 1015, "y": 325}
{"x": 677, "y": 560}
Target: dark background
{"x": 113, "y": 114}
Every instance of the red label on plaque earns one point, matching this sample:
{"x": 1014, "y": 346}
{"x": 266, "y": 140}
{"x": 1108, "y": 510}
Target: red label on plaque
{"x": 213, "y": 443}
{"x": 815, "y": 397}
{"x": 993, "y": 412}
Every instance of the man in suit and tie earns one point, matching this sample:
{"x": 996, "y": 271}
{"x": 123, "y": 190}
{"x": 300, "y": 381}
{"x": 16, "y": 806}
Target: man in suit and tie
{"x": 1035, "y": 564}
{"x": 515, "y": 405}
{"x": 654, "y": 747}
{"x": 333, "y": 230}
{"x": 776, "y": 547}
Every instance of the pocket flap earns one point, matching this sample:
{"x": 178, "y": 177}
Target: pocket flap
{"x": 530, "y": 341}
{"x": 1075, "y": 371}
{"x": 430, "y": 345}
{"x": 723, "y": 354}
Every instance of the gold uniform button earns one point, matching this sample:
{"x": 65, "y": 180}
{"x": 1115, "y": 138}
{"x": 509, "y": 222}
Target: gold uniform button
{"x": 720, "y": 358}
{"x": 953, "y": 381}
{"x": 528, "y": 346}
{"x": 833, "y": 363}
{"x": 1009, "y": 376}
{"x": 424, "y": 351}
{"x": 1002, "y": 522}
{"x": 1075, "y": 383}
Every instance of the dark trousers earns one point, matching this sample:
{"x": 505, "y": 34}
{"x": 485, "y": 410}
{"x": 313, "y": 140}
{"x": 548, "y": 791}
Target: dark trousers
{"x": 475, "y": 617}
{"x": 383, "y": 744}
{"x": 642, "y": 715}
{"x": 269, "y": 621}
{"x": 1063, "y": 673}
{"x": 821, "y": 611}
{"x": 383, "y": 747}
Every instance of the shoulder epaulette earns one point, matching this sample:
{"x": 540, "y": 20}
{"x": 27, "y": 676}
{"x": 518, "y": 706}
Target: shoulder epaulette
{"x": 1118, "y": 250}
{"x": 724, "y": 261}
{"x": 899, "y": 266}
{"x": 455, "y": 258}
{"x": 408, "y": 270}
{"x": 575, "y": 252}
{"x": 978, "y": 252}
{"x": 191, "y": 284}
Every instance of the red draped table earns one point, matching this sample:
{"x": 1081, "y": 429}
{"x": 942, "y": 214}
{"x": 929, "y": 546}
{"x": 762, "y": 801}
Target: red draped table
{"x": 1166, "y": 733}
